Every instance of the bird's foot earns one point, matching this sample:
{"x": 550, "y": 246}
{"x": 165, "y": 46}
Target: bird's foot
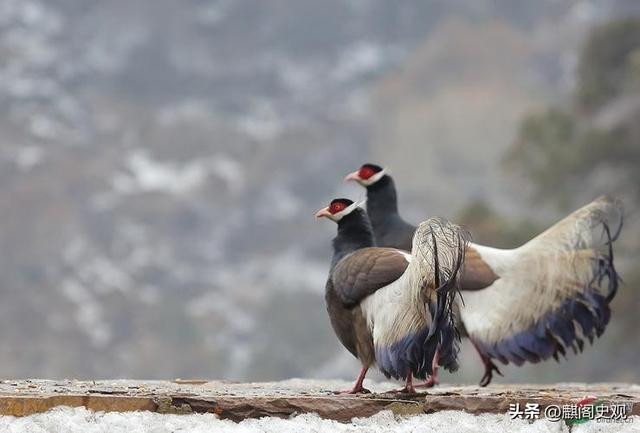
{"x": 408, "y": 387}
{"x": 354, "y": 391}
{"x": 405, "y": 390}
{"x": 429, "y": 383}
{"x": 489, "y": 368}
{"x": 357, "y": 387}
{"x": 432, "y": 380}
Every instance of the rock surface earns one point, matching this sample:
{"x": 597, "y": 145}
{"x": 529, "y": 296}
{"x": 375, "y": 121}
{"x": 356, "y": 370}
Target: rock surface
{"x": 238, "y": 401}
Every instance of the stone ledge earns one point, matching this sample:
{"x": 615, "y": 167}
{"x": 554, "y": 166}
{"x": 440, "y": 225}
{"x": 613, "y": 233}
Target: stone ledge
{"x": 238, "y": 401}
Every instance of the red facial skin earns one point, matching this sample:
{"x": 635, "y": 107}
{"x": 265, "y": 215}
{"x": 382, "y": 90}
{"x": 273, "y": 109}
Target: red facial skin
{"x": 363, "y": 174}
{"x": 366, "y": 172}
{"x": 337, "y": 207}
{"x": 331, "y": 210}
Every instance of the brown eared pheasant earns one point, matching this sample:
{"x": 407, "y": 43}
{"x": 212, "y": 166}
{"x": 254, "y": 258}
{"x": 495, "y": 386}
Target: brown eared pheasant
{"x": 389, "y": 307}
{"x": 529, "y": 303}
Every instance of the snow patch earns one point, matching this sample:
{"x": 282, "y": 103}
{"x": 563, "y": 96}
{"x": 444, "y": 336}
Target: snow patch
{"x": 228, "y": 170}
{"x": 146, "y": 174}
{"x": 262, "y": 122}
{"x": 27, "y": 157}
{"x": 81, "y": 420}
{"x": 88, "y": 312}
{"x": 359, "y": 59}
{"x": 278, "y": 203}
{"x": 149, "y": 175}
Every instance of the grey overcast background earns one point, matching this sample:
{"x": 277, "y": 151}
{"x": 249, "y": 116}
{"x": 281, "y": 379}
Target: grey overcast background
{"x": 161, "y": 162}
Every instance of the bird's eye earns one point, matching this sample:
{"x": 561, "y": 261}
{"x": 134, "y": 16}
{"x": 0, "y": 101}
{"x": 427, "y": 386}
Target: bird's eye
{"x": 337, "y": 207}
{"x": 366, "y": 173}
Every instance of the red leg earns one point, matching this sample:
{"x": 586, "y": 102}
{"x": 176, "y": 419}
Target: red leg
{"x": 357, "y": 387}
{"x": 433, "y": 377}
{"x": 489, "y": 367}
{"x": 408, "y": 387}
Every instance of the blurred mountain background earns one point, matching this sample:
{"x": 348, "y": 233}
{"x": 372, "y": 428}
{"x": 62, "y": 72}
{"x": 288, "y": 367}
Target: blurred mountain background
{"x": 161, "y": 162}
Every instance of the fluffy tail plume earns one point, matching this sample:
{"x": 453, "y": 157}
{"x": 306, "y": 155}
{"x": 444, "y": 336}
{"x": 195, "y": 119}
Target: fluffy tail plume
{"x": 553, "y": 292}
{"x": 438, "y": 250}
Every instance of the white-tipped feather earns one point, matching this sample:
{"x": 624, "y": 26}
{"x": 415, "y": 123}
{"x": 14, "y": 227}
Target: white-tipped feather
{"x": 537, "y": 277}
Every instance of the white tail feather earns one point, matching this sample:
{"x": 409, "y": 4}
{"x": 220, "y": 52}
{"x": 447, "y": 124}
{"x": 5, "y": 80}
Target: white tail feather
{"x": 562, "y": 263}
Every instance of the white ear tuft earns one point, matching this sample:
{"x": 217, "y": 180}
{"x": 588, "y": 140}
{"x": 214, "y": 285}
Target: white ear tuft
{"x": 344, "y": 212}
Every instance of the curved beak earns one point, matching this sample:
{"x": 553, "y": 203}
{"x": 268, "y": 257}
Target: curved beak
{"x": 324, "y": 212}
{"x": 352, "y": 176}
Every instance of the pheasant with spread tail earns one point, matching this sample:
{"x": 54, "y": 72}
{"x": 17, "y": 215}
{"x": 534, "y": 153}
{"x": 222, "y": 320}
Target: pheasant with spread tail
{"x": 553, "y": 292}
{"x": 390, "y": 308}
{"x": 530, "y": 303}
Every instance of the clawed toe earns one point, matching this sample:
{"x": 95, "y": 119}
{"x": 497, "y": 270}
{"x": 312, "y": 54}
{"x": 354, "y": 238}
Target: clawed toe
{"x": 429, "y": 383}
{"x": 405, "y": 390}
{"x": 490, "y": 367}
{"x": 353, "y": 391}
{"x": 486, "y": 380}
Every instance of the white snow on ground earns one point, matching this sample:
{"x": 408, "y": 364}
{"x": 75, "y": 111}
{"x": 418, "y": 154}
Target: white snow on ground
{"x": 148, "y": 174}
{"x": 81, "y": 420}
{"x": 145, "y": 174}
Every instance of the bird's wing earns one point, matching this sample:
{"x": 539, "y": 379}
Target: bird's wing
{"x": 412, "y": 317}
{"x": 551, "y": 293}
{"x": 366, "y": 270}
{"x": 476, "y": 273}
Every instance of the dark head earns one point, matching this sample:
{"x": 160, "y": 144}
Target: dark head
{"x": 354, "y": 228}
{"x": 367, "y": 175}
{"x": 338, "y": 209}
{"x": 382, "y": 199}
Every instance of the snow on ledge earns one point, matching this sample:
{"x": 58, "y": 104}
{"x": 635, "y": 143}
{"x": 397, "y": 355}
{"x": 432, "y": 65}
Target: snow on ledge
{"x": 81, "y": 420}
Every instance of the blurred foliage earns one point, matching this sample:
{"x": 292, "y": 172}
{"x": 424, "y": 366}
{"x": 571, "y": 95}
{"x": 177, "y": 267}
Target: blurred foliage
{"x": 609, "y": 64}
{"x": 556, "y": 150}
{"x": 560, "y": 148}
{"x": 489, "y": 228}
